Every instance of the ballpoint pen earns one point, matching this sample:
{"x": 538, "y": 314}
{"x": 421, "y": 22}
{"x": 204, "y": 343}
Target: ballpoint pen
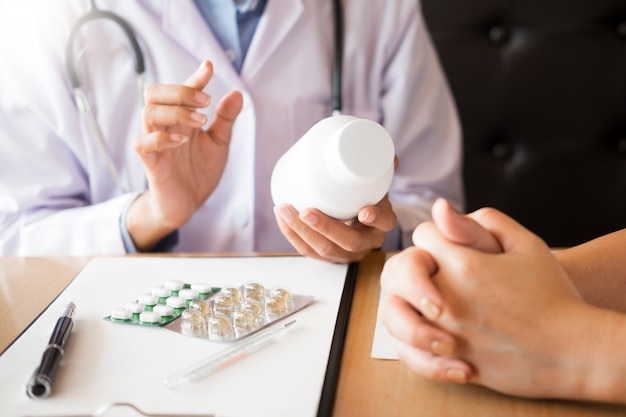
{"x": 40, "y": 384}
{"x": 225, "y": 357}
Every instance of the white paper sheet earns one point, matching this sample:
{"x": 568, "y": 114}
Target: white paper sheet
{"x": 384, "y": 345}
{"x": 109, "y": 362}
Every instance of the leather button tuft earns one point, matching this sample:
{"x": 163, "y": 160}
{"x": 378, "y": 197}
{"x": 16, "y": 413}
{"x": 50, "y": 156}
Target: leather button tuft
{"x": 502, "y": 151}
{"x": 499, "y": 34}
{"x": 621, "y": 146}
{"x": 621, "y": 29}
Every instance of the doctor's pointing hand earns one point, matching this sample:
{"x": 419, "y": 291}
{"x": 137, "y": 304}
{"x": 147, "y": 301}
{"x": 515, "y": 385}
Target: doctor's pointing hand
{"x": 183, "y": 162}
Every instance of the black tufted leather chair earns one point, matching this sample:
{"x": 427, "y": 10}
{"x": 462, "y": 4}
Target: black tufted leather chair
{"x": 541, "y": 90}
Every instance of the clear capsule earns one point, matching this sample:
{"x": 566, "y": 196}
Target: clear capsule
{"x": 252, "y": 306}
{"x": 275, "y": 306}
{"x": 220, "y": 329}
{"x": 224, "y": 304}
{"x": 203, "y": 306}
{"x": 254, "y": 290}
{"x": 232, "y": 292}
{"x": 192, "y": 323}
{"x": 285, "y": 294}
{"x": 244, "y": 322}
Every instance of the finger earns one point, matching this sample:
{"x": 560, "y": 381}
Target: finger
{"x": 452, "y": 257}
{"x": 434, "y": 367}
{"x": 284, "y": 217}
{"x": 160, "y": 117}
{"x": 505, "y": 230}
{"x": 157, "y": 141}
{"x": 380, "y": 216}
{"x": 188, "y": 94}
{"x": 176, "y": 95}
{"x": 406, "y": 325}
{"x": 463, "y": 229}
{"x": 350, "y": 238}
{"x": 309, "y": 242}
{"x": 201, "y": 76}
{"x": 407, "y": 275}
{"x": 226, "y": 114}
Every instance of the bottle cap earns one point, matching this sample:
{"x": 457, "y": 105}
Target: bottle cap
{"x": 359, "y": 152}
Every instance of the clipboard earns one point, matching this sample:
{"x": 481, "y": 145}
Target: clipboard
{"x": 327, "y": 399}
{"x": 73, "y": 393}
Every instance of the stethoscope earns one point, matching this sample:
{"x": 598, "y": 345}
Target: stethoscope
{"x": 87, "y": 113}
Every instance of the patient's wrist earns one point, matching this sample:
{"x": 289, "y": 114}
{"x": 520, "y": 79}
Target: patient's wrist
{"x": 607, "y": 364}
{"x": 593, "y": 368}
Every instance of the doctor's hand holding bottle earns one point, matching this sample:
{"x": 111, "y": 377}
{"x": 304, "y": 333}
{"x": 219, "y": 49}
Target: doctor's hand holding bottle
{"x": 319, "y": 236}
{"x": 184, "y": 164}
{"x": 182, "y": 161}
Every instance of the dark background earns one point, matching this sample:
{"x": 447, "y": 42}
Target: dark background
{"x": 540, "y": 89}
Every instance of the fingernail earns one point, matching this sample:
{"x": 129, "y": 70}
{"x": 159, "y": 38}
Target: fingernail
{"x": 279, "y": 217}
{"x": 285, "y": 214}
{"x": 201, "y": 98}
{"x": 456, "y": 375}
{"x": 308, "y": 217}
{"x": 175, "y": 137}
{"x": 368, "y": 217}
{"x": 442, "y": 348}
{"x": 198, "y": 117}
{"x": 429, "y": 308}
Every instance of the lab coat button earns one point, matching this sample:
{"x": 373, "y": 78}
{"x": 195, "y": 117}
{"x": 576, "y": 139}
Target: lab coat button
{"x": 240, "y": 217}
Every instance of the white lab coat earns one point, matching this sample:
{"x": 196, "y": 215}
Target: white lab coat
{"x": 56, "y": 194}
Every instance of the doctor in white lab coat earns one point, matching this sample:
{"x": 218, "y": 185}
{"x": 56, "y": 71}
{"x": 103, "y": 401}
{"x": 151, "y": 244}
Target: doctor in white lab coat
{"x": 57, "y": 195}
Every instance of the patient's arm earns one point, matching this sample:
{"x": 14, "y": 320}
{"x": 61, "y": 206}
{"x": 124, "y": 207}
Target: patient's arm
{"x": 598, "y": 270}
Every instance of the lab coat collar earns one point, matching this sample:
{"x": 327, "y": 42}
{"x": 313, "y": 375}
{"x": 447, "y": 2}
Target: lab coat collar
{"x": 279, "y": 18}
{"x": 184, "y": 23}
{"x": 191, "y": 31}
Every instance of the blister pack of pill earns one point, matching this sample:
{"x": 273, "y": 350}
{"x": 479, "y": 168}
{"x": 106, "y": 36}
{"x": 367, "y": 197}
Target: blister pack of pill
{"x": 161, "y": 304}
{"x": 217, "y": 314}
{"x": 235, "y": 312}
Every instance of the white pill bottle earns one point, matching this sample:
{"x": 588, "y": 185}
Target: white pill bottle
{"x": 340, "y": 165}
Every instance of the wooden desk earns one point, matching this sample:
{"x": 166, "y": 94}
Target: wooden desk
{"x": 367, "y": 387}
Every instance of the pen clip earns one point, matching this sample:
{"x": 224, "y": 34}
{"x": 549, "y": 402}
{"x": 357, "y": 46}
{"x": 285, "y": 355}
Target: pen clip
{"x": 102, "y": 411}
